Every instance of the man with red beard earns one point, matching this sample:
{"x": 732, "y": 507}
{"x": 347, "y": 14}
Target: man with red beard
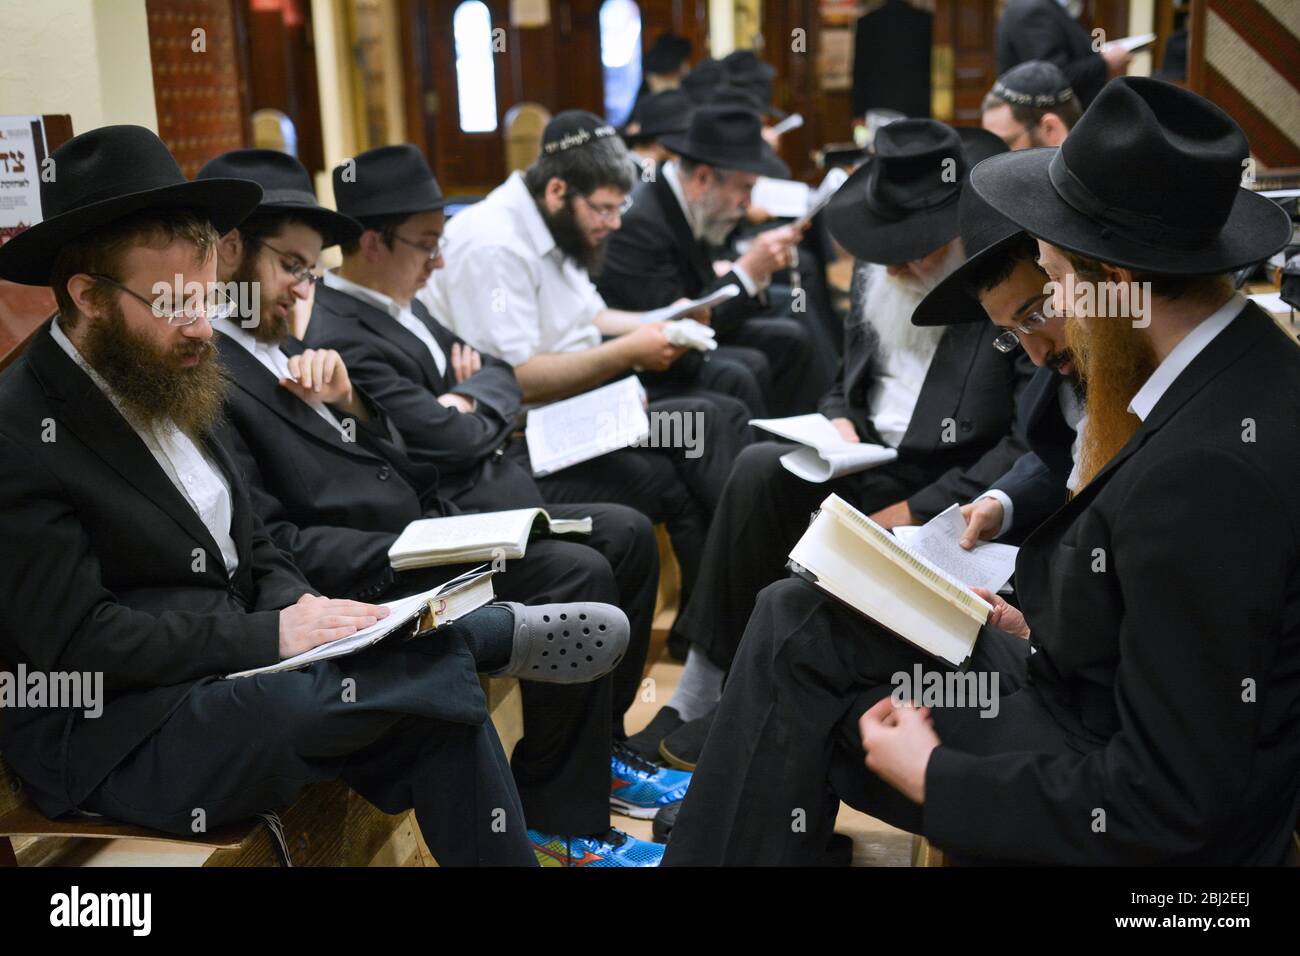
{"x": 137, "y": 553}
{"x": 945, "y": 398}
{"x": 1149, "y": 692}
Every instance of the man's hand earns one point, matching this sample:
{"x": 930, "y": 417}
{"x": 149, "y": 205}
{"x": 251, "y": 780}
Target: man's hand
{"x": 702, "y": 315}
{"x": 464, "y": 361}
{"x": 318, "y": 620}
{"x": 768, "y": 252}
{"x": 1004, "y": 616}
{"x": 649, "y": 349}
{"x": 1117, "y": 59}
{"x": 756, "y": 215}
{"x": 459, "y": 402}
{"x": 898, "y": 741}
{"x": 848, "y": 431}
{"x": 983, "y": 520}
{"x": 322, "y": 377}
{"x": 893, "y": 516}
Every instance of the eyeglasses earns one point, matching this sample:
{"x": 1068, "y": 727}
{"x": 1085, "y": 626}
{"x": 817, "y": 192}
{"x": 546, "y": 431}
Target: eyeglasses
{"x": 433, "y": 251}
{"x": 607, "y": 213}
{"x": 218, "y": 305}
{"x": 300, "y": 273}
{"x": 1009, "y": 340}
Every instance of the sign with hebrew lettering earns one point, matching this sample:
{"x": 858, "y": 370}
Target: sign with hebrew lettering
{"x": 22, "y": 150}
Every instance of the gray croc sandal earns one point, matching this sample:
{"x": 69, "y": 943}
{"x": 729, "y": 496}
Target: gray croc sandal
{"x": 565, "y": 643}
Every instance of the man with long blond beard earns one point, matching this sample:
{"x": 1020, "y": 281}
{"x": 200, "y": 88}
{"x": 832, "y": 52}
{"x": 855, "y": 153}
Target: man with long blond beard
{"x": 1150, "y": 690}
{"x": 943, "y": 397}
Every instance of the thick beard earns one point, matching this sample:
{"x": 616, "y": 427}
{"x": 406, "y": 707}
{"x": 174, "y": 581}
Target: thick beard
{"x": 888, "y": 304}
{"x": 149, "y": 383}
{"x": 1113, "y": 361}
{"x": 571, "y": 240}
{"x": 709, "y": 222}
{"x": 269, "y": 328}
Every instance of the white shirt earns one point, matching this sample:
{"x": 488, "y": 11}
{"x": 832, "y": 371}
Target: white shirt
{"x": 273, "y": 358}
{"x": 507, "y": 289}
{"x": 402, "y": 313}
{"x": 896, "y": 388}
{"x": 1182, "y": 354}
{"x": 201, "y": 483}
{"x": 675, "y": 184}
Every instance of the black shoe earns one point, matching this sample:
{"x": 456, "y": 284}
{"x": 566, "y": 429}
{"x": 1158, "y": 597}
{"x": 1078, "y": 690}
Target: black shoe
{"x": 645, "y": 744}
{"x": 664, "y": 822}
{"x": 681, "y": 748}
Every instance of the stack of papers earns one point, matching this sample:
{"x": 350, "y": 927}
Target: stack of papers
{"x": 826, "y": 455}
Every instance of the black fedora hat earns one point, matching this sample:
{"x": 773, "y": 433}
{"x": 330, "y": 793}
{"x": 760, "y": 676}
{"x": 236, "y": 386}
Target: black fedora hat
{"x": 985, "y": 233}
{"x": 700, "y": 80}
{"x": 727, "y": 137}
{"x": 286, "y": 187}
{"x": 661, "y": 113}
{"x": 386, "y": 181}
{"x": 105, "y": 175}
{"x": 1148, "y": 179}
{"x": 743, "y": 68}
{"x": 901, "y": 204}
{"x": 667, "y": 54}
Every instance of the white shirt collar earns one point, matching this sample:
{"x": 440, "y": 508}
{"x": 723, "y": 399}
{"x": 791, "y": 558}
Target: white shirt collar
{"x": 378, "y": 299}
{"x": 1182, "y": 355}
{"x": 233, "y": 330}
{"x": 675, "y": 184}
{"x": 517, "y": 197}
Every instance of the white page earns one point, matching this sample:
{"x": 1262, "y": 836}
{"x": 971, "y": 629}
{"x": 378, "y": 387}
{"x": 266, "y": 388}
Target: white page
{"x": 489, "y": 529}
{"x": 819, "y": 466}
{"x": 783, "y": 198}
{"x": 1270, "y": 302}
{"x": 793, "y": 121}
{"x": 815, "y": 430}
{"x": 987, "y": 565}
{"x": 1135, "y": 42}
{"x": 586, "y": 426}
{"x": 669, "y": 312}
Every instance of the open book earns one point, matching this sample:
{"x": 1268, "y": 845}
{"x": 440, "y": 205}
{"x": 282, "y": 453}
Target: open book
{"x": 825, "y": 454}
{"x": 460, "y": 539}
{"x": 408, "y": 617}
{"x": 668, "y": 313}
{"x": 587, "y": 426}
{"x": 988, "y": 565}
{"x": 856, "y": 561}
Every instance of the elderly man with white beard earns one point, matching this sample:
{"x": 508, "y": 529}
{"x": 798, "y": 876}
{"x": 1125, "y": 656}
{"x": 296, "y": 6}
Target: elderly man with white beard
{"x": 944, "y": 397}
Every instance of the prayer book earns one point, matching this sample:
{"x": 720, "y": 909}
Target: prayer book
{"x": 587, "y": 426}
{"x": 409, "y": 617}
{"x": 461, "y": 539}
{"x": 860, "y": 564}
{"x": 825, "y": 454}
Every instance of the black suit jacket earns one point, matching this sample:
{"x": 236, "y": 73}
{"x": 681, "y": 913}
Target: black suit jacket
{"x": 654, "y": 260}
{"x": 1043, "y": 30}
{"x": 457, "y": 450}
{"x": 335, "y": 505}
{"x": 970, "y": 394}
{"x": 105, "y": 567}
{"x": 891, "y": 60}
{"x": 1164, "y": 601}
{"x": 1036, "y": 482}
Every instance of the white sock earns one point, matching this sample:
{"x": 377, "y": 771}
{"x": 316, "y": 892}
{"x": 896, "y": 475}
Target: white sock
{"x": 700, "y": 688}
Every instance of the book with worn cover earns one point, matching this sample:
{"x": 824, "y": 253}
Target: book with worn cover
{"x": 410, "y": 616}
{"x": 460, "y": 539}
{"x": 856, "y": 561}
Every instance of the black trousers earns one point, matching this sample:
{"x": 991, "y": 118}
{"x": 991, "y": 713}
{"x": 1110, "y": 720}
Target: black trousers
{"x": 561, "y": 764}
{"x": 664, "y": 484}
{"x": 784, "y": 748}
{"x": 404, "y": 725}
{"x": 724, "y": 376}
{"x": 788, "y": 346}
{"x": 763, "y": 512}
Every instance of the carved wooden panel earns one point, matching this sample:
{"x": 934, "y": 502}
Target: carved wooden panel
{"x": 199, "y": 50}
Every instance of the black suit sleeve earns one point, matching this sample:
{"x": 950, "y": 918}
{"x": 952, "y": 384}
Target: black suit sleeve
{"x": 1204, "y": 580}
{"x": 336, "y": 560}
{"x": 62, "y": 617}
{"x": 963, "y": 484}
{"x": 640, "y": 273}
{"x": 1034, "y": 492}
{"x": 1037, "y": 35}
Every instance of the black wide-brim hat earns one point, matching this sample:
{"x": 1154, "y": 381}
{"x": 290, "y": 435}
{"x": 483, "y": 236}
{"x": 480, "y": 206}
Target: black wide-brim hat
{"x": 1148, "y": 179}
{"x": 387, "y": 181}
{"x": 286, "y": 187}
{"x": 727, "y": 137}
{"x": 985, "y": 233}
{"x": 898, "y": 206}
{"x": 106, "y": 175}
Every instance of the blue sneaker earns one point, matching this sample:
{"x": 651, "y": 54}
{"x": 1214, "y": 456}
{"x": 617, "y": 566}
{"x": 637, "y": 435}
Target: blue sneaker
{"x": 641, "y": 789}
{"x": 611, "y": 848}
